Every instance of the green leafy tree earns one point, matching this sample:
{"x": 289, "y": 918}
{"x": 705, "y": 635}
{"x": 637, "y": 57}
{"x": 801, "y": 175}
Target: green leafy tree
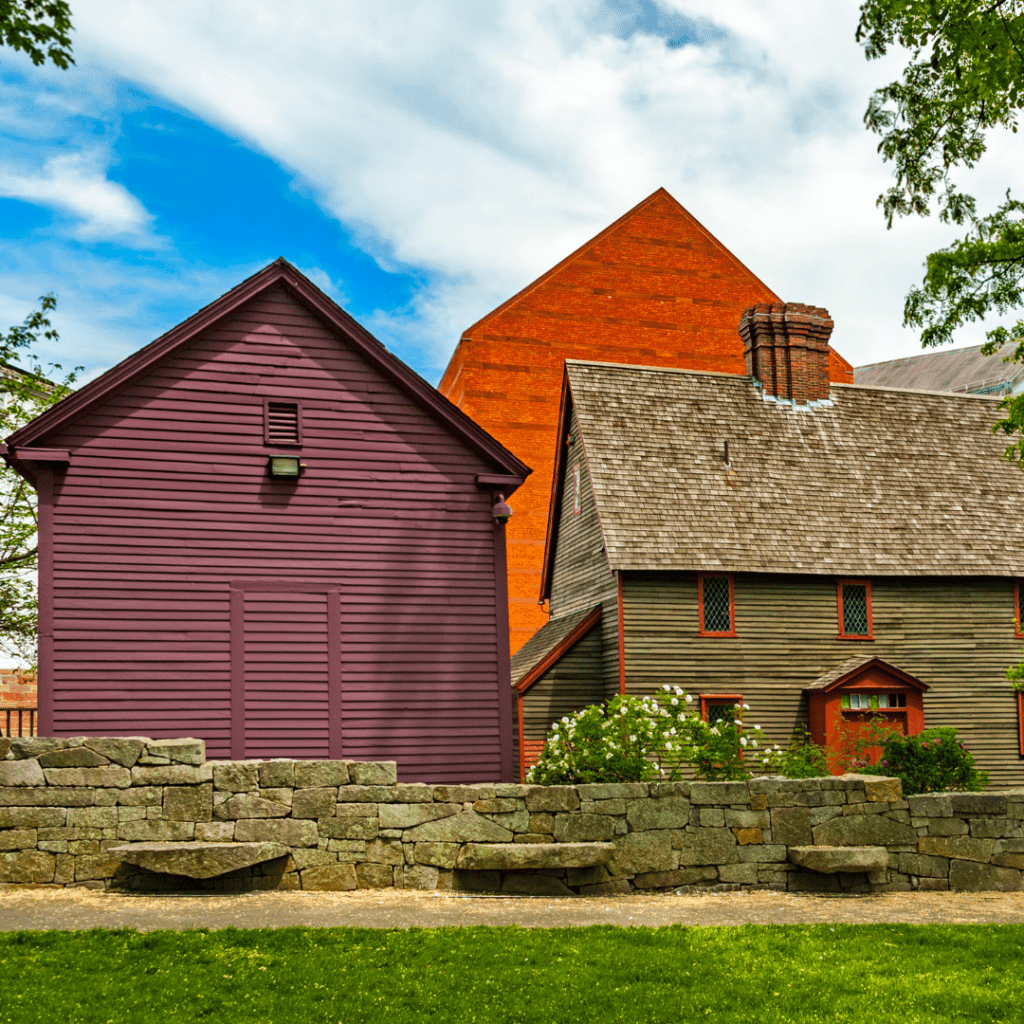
{"x": 26, "y": 391}
{"x": 40, "y": 28}
{"x": 964, "y": 79}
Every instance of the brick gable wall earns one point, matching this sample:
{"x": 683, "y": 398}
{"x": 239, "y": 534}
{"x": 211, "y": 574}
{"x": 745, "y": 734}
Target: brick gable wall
{"x": 655, "y": 289}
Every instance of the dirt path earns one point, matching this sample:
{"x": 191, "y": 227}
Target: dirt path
{"x": 43, "y": 909}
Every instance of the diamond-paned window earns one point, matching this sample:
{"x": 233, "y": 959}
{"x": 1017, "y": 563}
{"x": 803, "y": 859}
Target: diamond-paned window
{"x": 855, "y": 609}
{"x": 720, "y": 713}
{"x": 716, "y": 604}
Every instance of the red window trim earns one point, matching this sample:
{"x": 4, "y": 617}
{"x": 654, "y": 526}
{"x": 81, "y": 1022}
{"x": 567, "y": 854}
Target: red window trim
{"x": 701, "y": 576}
{"x": 1017, "y": 631}
{"x": 870, "y": 634}
{"x": 707, "y": 699}
{"x": 1020, "y": 719}
{"x": 266, "y": 422}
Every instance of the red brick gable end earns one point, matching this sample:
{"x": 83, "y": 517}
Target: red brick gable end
{"x": 655, "y": 288}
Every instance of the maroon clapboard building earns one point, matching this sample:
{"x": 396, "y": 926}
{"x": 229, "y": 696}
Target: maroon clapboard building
{"x": 265, "y": 530}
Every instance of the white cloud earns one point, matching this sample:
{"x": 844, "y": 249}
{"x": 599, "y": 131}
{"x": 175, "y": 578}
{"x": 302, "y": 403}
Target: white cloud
{"x": 480, "y": 143}
{"x": 76, "y": 183}
{"x": 105, "y": 310}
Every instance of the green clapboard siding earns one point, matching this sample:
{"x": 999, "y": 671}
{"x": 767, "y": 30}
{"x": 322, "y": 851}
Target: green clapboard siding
{"x": 580, "y": 575}
{"x": 572, "y": 683}
{"x": 954, "y": 634}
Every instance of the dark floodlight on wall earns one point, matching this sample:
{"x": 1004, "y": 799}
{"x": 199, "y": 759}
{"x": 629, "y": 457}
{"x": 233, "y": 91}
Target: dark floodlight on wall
{"x": 285, "y": 467}
{"x": 502, "y": 513}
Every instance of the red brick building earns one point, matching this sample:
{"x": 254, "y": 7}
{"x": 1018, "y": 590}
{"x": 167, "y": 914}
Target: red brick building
{"x": 17, "y": 702}
{"x": 655, "y": 288}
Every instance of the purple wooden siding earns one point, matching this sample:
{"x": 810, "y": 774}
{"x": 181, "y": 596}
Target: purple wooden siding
{"x": 167, "y": 506}
{"x": 285, "y": 662}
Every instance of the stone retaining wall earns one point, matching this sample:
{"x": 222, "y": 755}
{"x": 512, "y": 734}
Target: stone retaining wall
{"x": 65, "y": 802}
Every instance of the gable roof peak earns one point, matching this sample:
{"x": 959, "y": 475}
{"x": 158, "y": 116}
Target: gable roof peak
{"x": 279, "y": 272}
{"x": 659, "y": 194}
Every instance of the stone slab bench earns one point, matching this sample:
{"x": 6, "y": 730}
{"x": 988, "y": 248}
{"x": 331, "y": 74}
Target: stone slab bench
{"x": 829, "y": 860}
{"x": 532, "y": 856}
{"x": 198, "y": 860}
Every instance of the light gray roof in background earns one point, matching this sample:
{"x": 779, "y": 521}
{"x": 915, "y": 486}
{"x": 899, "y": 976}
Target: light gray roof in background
{"x": 958, "y": 369}
{"x": 876, "y": 482}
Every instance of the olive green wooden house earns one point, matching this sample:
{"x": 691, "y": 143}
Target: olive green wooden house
{"x": 782, "y": 540}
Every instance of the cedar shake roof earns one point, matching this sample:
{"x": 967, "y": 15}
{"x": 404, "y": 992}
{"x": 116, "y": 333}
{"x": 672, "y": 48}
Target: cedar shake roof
{"x": 844, "y": 668}
{"x": 870, "y": 482}
{"x": 852, "y": 665}
{"x": 544, "y": 641}
{"x": 961, "y": 369}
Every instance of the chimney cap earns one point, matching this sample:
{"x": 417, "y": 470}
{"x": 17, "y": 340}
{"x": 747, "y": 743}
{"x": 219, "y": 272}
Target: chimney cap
{"x": 786, "y": 349}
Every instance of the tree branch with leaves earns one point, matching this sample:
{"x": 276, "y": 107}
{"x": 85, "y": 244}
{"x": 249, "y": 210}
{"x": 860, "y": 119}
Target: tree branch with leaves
{"x": 964, "y": 80}
{"x": 27, "y": 389}
{"x": 40, "y": 28}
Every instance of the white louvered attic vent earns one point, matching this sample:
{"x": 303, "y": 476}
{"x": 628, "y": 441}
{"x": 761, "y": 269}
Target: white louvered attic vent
{"x": 283, "y": 423}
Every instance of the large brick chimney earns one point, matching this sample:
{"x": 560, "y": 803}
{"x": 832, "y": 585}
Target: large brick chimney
{"x": 786, "y": 348}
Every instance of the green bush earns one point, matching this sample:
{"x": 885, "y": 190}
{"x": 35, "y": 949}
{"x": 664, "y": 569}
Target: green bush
{"x": 640, "y": 738}
{"x": 930, "y": 762}
{"x": 802, "y": 759}
{"x": 721, "y": 752}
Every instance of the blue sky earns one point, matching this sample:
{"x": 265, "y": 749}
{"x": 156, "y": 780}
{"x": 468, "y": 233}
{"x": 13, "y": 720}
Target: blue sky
{"x": 422, "y": 161}
{"x": 208, "y": 210}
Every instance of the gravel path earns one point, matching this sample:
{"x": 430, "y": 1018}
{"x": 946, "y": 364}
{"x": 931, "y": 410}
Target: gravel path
{"x": 66, "y": 909}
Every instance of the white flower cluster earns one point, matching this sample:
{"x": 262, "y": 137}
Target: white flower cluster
{"x": 640, "y": 737}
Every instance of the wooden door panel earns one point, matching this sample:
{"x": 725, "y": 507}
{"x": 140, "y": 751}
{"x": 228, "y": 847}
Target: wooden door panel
{"x": 287, "y": 675}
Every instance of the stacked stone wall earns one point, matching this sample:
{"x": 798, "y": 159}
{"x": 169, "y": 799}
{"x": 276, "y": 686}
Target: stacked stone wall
{"x": 65, "y": 803}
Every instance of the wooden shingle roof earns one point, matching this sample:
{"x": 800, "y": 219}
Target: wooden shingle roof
{"x": 871, "y": 482}
{"x": 851, "y": 667}
{"x": 844, "y": 668}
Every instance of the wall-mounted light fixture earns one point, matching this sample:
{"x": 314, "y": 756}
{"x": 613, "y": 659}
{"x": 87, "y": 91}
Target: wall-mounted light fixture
{"x": 500, "y": 510}
{"x": 285, "y": 467}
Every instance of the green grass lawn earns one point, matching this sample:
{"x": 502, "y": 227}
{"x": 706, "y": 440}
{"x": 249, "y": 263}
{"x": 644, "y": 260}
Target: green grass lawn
{"x": 864, "y": 973}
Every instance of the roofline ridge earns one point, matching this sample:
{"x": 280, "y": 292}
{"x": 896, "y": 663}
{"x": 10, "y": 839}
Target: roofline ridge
{"x": 681, "y": 370}
{"x": 921, "y": 391}
{"x": 661, "y": 369}
{"x": 280, "y": 271}
{"x": 922, "y": 355}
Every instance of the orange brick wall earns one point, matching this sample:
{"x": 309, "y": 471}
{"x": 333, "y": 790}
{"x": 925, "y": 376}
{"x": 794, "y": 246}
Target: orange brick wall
{"x": 16, "y": 689}
{"x": 655, "y": 289}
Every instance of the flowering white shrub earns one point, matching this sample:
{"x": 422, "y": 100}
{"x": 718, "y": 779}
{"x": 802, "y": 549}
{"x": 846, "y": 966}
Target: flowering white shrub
{"x": 641, "y": 738}
{"x": 801, "y": 759}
